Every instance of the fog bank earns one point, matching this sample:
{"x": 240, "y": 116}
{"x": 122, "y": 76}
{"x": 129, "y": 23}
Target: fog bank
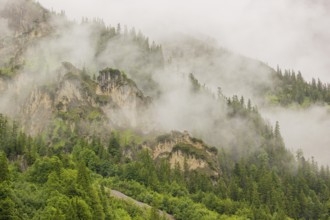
{"x": 304, "y": 129}
{"x": 291, "y": 33}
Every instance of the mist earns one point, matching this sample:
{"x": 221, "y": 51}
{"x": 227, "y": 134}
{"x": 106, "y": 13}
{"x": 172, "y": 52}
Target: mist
{"x": 291, "y": 33}
{"x": 217, "y": 67}
{"x": 304, "y": 129}
{"x": 201, "y": 107}
{"x": 200, "y": 113}
{"x": 198, "y": 37}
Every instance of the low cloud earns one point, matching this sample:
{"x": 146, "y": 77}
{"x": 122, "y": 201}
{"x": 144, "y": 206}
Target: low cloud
{"x": 306, "y": 129}
{"x": 291, "y": 33}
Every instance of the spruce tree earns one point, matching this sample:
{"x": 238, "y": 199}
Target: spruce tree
{"x": 4, "y": 171}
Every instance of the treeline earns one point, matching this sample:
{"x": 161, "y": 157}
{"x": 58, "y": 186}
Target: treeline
{"x": 141, "y": 62}
{"x": 108, "y": 32}
{"x": 293, "y": 88}
{"x": 58, "y": 184}
{"x": 73, "y": 181}
{"x": 123, "y": 36}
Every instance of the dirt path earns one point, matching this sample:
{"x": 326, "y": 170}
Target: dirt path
{"x": 120, "y": 195}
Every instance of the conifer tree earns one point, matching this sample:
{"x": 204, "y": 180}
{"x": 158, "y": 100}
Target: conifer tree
{"x": 83, "y": 177}
{"x": 4, "y": 171}
{"x": 114, "y": 148}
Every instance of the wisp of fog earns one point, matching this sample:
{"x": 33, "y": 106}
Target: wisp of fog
{"x": 196, "y": 37}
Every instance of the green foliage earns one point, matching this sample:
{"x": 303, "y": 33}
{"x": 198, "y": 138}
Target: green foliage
{"x": 114, "y": 148}
{"x": 164, "y": 138}
{"x": 12, "y": 141}
{"x": 291, "y": 88}
{"x": 40, "y": 170}
{"x": 144, "y": 60}
{"x": 7, "y": 72}
{"x": 189, "y": 150}
{"x": 45, "y": 181}
{"x": 4, "y": 171}
{"x": 7, "y": 209}
{"x": 67, "y": 174}
{"x": 76, "y": 113}
{"x": 115, "y": 75}
{"x": 81, "y": 209}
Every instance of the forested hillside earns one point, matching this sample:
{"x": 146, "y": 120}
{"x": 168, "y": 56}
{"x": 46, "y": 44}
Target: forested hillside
{"x": 292, "y": 88}
{"x": 42, "y": 181}
{"x": 88, "y": 108}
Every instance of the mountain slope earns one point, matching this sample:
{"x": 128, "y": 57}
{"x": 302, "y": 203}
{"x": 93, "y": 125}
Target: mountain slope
{"x": 75, "y": 98}
{"x": 78, "y": 125}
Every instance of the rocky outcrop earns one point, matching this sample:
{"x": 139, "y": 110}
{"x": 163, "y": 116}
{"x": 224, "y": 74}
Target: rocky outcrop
{"x": 180, "y": 149}
{"x": 113, "y": 100}
{"x": 193, "y": 163}
{"x": 37, "y": 111}
{"x": 22, "y": 22}
{"x": 26, "y": 17}
{"x": 65, "y": 98}
{"x": 125, "y": 102}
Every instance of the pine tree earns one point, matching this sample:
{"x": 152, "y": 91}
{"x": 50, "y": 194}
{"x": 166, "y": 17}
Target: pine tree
{"x": 83, "y": 177}
{"x": 7, "y": 209}
{"x": 4, "y": 171}
{"x": 278, "y": 136}
{"x": 249, "y": 106}
{"x": 114, "y": 148}
{"x": 3, "y": 132}
{"x": 118, "y": 30}
{"x": 242, "y": 101}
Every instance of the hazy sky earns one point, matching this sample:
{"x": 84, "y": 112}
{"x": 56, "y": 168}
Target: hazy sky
{"x": 292, "y": 33}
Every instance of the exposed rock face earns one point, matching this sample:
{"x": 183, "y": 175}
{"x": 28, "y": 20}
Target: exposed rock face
{"x": 127, "y": 101}
{"x": 114, "y": 100}
{"x": 182, "y": 150}
{"x": 65, "y": 99}
{"x": 26, "y": 17}
{"x": 119, "y": 88}
{"x": 22, "y": 23}
{"x": 69, "y": 88}
{"x": 68, "y": 92}
{"x": 192, "y": 162}
{"x": 37, "y": 111}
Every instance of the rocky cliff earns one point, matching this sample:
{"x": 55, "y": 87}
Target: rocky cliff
{"x": 22, "y": 23}
{"x": 185, "y": 151}
{"x": 125, "y": 103}
{"x": 113, "y": 101}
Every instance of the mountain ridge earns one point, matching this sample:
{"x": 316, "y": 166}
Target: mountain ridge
{"x": 93, "y": 107}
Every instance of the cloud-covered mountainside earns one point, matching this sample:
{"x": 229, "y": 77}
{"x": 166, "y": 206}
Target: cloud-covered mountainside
{"x": 96, "y": 107}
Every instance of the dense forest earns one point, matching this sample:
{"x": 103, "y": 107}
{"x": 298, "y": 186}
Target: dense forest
{"x": 76, "y": 134}
{"x": 292, "y": 88}
{"x": 40, "y": 180}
